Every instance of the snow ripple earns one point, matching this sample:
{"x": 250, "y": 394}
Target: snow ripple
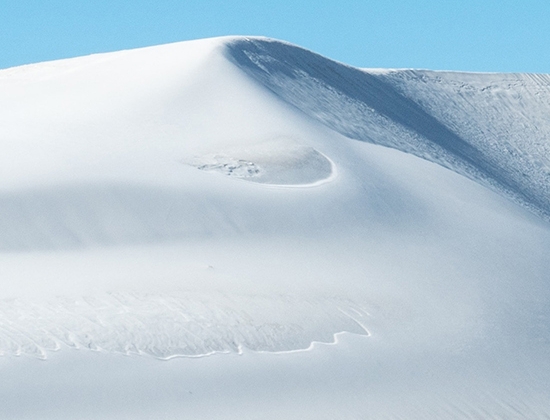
{"x": 166, "y": 326}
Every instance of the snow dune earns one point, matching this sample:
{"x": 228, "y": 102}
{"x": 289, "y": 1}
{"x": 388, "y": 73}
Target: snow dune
{"x": 347, "y": 243}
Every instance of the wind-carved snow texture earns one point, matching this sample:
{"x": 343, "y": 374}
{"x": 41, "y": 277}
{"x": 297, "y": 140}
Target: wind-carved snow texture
{"x": 504, "y": 116}
{"x": 270, "y": 164}
{"x": 171, "y": 325}
{"x": 237, "y": 168}
{"x": 486, "y": 130}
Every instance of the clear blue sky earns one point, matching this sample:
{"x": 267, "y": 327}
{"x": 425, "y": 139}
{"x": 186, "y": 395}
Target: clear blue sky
{"x": 474, "y": 35}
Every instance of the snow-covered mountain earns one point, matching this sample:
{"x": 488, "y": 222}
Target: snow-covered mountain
{"x": 341, "y": 242}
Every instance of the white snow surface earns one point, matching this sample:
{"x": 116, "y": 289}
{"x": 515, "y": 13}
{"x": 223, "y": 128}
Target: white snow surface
{"x": 340, "y": 242}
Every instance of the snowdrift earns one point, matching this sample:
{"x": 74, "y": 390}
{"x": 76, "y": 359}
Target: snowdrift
{"x": 340, "y": 242}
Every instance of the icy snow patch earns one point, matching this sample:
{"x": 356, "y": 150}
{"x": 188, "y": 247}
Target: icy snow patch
{"x": 271, "y": 163}
{"x": 226, "y": 165}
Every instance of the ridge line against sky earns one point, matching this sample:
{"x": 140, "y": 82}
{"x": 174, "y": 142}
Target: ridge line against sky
{"x": 488, "y": 36}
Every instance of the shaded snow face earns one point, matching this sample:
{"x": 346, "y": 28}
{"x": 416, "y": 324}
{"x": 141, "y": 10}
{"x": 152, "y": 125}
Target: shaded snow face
{"x": 492, "y": 128}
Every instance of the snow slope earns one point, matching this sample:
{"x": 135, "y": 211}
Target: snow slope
{"x": 491, "y": 127}
{"x": 212, "y": 198}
